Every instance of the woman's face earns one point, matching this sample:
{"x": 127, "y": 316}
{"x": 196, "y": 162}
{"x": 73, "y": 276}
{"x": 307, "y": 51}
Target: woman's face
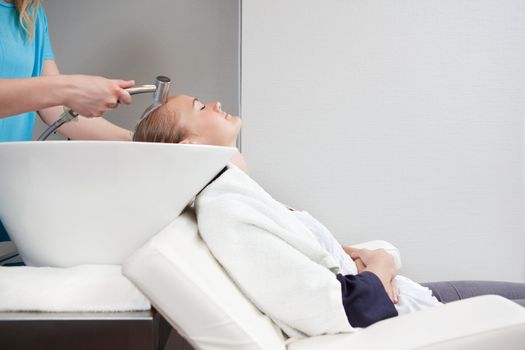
{"x": 206, "y": 123}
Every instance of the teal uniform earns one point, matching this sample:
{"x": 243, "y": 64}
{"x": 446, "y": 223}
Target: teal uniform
{"x": 20, "y": 58}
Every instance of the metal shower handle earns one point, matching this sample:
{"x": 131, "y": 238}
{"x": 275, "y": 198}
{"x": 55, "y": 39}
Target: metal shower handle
{"x": 160, "y": 94}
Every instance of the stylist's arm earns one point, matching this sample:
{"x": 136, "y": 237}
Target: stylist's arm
{"x": 98, "y": 97}
{"x": 90, "y": 96}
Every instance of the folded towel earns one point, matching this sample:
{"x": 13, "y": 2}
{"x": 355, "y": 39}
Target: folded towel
{"x": 83, "y": 288}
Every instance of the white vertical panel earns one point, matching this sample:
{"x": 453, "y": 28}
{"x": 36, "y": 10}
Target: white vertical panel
{"x": 395, "y": 120}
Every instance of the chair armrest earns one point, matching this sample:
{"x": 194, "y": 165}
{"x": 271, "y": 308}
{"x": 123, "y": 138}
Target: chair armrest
{"x": 379, "y": 244}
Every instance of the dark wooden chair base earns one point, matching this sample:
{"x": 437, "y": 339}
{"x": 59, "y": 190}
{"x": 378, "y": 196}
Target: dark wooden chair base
{"x": 141, "y": 330}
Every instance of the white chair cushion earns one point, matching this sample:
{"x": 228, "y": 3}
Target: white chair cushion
{"x": 184, "y": 282}
{"x": 82, "y": 288}
{"x": 481, "y": 323}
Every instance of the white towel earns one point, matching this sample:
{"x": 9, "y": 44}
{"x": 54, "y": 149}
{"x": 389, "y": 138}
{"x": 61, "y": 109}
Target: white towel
{"x": 273, "y": 258}
{"x": 412, "y": 296}
{"x": 83, "y": 288}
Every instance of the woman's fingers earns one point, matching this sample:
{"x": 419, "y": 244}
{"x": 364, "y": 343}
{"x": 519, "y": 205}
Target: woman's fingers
{"x": 360, "y": 265}
{"x": 391, "y": 291}
{"x": 395, "y": 292}
{"x": 122, "y": 95}
{"x": 125, "y": 83}
{"x": 354, "y": 253}
{"x": 349, "y": 250}
{"x": 112, "y": 105}
{"x": 363, "y": 254}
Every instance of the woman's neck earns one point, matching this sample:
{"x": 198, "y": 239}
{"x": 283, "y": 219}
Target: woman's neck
{"x": 239, "y": 161}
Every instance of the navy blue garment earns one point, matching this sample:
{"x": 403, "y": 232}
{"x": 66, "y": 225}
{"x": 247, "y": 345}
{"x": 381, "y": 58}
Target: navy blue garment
{"x": 365, "y": 299}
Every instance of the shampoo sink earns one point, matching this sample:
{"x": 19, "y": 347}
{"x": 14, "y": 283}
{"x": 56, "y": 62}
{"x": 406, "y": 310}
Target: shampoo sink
{"x": 66, "y": 203}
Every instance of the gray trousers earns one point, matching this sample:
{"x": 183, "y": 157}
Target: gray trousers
{"x": 457, "y": 290}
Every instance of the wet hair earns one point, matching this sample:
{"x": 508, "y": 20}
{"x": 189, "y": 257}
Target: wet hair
{"x": 162, "y": 125}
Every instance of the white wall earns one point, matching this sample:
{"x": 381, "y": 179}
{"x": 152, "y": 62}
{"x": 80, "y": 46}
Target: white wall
{"x": 194, "y": 42}
{"x": 395, "y": 120}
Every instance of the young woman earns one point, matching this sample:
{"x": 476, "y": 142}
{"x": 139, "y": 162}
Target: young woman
{"x": 371, "y": 289}
{"x": 184, "y": 119}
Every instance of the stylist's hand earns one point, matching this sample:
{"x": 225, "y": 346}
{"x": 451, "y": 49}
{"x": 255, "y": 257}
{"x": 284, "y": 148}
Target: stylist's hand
{"x": 380, "y": 263}
{"x": 92, "y": 96}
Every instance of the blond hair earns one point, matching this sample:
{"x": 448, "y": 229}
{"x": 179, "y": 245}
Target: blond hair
{"x": 27, "y": 15}
{"x": 162, "y": 125}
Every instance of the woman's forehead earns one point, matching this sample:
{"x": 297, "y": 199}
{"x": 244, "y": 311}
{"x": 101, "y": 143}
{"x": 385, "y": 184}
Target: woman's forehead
{"x": 183, "y": 102}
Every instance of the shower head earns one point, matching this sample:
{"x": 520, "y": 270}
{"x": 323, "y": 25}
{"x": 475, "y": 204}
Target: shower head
{"x": 160, "y": 96}
{"x": 162, "y": 88}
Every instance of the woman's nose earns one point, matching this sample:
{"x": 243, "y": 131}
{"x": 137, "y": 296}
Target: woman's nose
{"x": 217, "y": 106}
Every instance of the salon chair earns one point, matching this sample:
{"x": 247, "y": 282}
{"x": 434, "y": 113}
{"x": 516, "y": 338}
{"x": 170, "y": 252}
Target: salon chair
{"x": 184, "y": 282}
{"x": 123, "y": 194}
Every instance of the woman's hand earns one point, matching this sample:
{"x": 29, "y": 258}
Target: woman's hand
{"x": 358, "y": 262}
{"x": 378, "y": 262}
{"x": 92, "y": 96}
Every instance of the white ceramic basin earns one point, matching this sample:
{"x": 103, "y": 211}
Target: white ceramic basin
{"x": 74, "y": 202}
